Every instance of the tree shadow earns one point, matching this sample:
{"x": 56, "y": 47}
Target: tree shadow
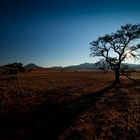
{"x": 50, "y": 119}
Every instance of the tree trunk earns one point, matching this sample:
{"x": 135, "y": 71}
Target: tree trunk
{"x": 117, "y": 76}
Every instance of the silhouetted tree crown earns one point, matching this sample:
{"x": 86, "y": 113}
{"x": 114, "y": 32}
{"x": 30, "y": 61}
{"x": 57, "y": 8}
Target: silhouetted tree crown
{"x": 18, "y": 66}
{"x": 114, "y": 48}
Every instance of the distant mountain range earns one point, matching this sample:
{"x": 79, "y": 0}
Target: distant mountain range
{"x": 31, "y": 66}
{"x": 83, "y": 66}
{"x": 93, "y": 66}
{"x": 135, "y": 66}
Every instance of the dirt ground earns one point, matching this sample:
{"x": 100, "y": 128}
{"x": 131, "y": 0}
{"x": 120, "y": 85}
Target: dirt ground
{"x": 70, "y": 105}
{"x": 116, "y": 115}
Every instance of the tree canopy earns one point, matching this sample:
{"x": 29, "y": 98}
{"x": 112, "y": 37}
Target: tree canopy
{"x": 18, "y": 66}
{"x": 114, "y": 48}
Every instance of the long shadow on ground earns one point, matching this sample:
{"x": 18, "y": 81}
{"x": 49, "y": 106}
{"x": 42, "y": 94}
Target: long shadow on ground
{"x": 49, "y": 120}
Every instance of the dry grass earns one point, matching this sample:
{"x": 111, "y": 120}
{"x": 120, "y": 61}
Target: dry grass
{"x": 57, "y": 85}
{"x": 98, "y": 110}
{"x": 116, "y": 115}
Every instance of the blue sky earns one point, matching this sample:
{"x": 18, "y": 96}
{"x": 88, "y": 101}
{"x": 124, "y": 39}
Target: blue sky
{"x": 58, "y": 32}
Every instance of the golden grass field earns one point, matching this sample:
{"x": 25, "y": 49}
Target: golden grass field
{"x": 82, "y": 105}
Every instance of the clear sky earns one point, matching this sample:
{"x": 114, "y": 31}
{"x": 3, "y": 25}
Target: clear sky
{"x": 58, "y": 32}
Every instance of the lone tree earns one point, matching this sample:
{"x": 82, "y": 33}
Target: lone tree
{"x": 17, "y": 66}
{"x": 113, "y": 49}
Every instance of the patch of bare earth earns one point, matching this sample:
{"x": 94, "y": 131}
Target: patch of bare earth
{"x": 115, "y": 116}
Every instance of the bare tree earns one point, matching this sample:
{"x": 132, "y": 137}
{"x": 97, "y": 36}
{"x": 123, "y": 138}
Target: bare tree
{"x": 115, "y": 48}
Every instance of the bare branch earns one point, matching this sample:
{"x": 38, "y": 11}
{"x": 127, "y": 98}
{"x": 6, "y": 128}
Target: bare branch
{"x": 117, "y": 44}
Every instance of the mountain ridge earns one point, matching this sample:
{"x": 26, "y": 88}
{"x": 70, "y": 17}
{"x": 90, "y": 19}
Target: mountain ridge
{"x": 32, "y": 66}
{"x": 90, "y": 66}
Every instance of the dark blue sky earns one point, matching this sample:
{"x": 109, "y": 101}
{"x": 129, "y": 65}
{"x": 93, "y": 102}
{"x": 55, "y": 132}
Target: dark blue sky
{"x": 58, "y": 32}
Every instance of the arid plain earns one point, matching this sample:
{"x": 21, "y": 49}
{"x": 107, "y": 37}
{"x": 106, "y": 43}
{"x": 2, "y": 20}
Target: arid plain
{"x": 71, "y": 105}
